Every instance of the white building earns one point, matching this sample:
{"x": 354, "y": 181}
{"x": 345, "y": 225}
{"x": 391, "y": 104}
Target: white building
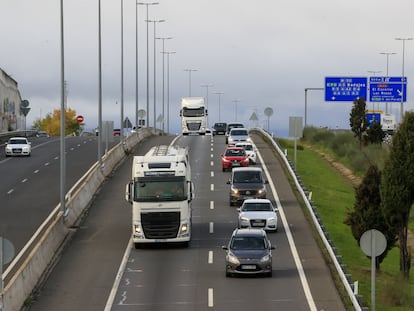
{"x": 11, "y": 118}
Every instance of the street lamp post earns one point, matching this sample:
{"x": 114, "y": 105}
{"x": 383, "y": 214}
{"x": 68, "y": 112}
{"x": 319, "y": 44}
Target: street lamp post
{"x": 373, "y": 72}
{"x": 168, "y": 89}
{"x": 189, "y": 79}
{"x": 402, "y": 78}
{"x": 219, "y": 108}
{"x": 388, "y": 56}
{"x": 163, "y": 79}
{"x": 306, "y": 100}
{"x": 155, "y": 93}
{"x": 147, "y": 4}
{"x": 235, "y": 101}
{"x": 206, "y": 85}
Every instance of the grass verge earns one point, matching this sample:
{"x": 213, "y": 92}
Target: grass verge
{"x": 334, "y": 195}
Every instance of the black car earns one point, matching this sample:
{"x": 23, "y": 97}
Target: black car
{"x": 249, "y": 252}
{"x": 219, "y": 128}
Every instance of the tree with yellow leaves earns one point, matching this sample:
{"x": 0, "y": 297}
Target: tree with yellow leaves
{"x": 51, "y": 123}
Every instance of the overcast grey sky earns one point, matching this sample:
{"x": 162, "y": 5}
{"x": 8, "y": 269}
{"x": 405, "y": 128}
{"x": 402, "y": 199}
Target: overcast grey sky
{"x": 264, "y": 53}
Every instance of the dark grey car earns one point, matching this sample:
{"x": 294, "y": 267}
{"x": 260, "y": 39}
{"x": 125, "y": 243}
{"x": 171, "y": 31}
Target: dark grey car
{"x": 249, "y": 252}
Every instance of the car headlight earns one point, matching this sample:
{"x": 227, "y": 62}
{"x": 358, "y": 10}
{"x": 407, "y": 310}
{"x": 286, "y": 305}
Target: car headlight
{"x": 261, "y": 191}
{"x": 232, "y": 259}
{"x": 226, "y": 160}
{"x": 265, "y": 258}
{"x": 244, "y": 219}
{"x": 271, "y": 220}
{"x": 234, "y": 190}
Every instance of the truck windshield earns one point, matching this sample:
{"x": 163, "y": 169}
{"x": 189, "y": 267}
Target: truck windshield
{"x": 194, "y": 112}
{"x": 149, "y": 189}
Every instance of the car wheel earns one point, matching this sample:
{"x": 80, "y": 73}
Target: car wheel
{"x": 224, "y": 169}
{"x": 228, "y": 274}
{"x": 269, "y": 274}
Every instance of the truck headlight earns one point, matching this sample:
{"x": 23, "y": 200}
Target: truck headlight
{"x": 184, "y": 230}
{"x": 138, "y": 231}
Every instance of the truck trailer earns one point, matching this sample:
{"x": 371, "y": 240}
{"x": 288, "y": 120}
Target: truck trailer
{"x": 193, "y": 115}
{"x": 161, "y": 191}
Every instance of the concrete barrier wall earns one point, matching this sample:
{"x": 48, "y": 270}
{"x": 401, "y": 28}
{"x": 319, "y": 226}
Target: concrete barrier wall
{"x": 57, "y": 227}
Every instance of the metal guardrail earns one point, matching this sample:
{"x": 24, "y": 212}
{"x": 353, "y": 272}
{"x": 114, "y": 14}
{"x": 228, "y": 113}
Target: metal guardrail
{"x": 324, "y": 235}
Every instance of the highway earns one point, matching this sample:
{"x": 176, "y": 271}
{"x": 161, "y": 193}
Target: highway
{"x": 30, "y": 186}
{"x": 100, "y": 270}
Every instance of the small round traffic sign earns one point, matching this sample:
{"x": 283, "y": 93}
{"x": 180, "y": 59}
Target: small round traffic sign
{"x": 373, "y": 243}
{"x": 79, "y": 118}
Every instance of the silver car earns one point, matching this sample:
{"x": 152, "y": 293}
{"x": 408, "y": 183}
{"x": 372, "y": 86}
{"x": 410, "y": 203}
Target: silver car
{"x": 258, "y": 213}
{"x": 238, "y": 135}
{"x": 249, "y": 252}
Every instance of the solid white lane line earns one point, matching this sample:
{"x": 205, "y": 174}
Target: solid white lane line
{"x": 118, "y": 277}
{"x": 291, "y": 241}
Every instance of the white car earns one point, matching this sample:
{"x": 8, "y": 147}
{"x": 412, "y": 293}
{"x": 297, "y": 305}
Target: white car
{"x": 250, "y": 151}
{"x": 238, "y": 135}
{"x": 18, "y": 146}
{"x": 258, "y": 213}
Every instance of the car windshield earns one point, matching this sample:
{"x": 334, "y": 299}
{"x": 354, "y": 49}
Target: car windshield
{"x": 248, "y": 147}
{"x": 259, "y": 207}
{"x": 247, "y": 177}
{"x": 238, "y": 133}
{"x": 235, "y": 153}
{"x": 17, "y": 141}
{"x": 248, "y": 243}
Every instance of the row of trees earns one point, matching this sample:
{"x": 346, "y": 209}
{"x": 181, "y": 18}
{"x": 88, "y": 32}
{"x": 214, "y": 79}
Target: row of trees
{"x": 384, "y": 199}
{"x": 51, "y": 123}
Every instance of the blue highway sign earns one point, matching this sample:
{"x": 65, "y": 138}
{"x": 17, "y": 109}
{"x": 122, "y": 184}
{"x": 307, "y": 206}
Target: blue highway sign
{"x": 371, "y": 117}
{"x": 387, "y": 89}
{"x": 345, "y": 88}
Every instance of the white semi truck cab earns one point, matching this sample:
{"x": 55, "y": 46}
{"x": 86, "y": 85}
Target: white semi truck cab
{"x": 161, "y": 191}
{"x": 193, "y": 115}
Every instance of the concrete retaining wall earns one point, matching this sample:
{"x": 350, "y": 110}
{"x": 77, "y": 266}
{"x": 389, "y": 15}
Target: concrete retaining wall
{"x": 56, "y": 228}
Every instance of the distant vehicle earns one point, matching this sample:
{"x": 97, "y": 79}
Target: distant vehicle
{"x": 234, "y": 156}
{"x": 238, "y": 135}
{"x": 209, "y": 132}
{"x": 18, "y": 146}
{"x": 117, "y": 132}
{"x": 249, "y": 251}
{"x": 42, "y": 134}
{"x": 258, "y": 213}
{"x": 230, "y": 126}
{"x": 246, "y": 183}
{"x": 219, "y": 128}
{"x": 250, "y": 151}
{"x": 193, "y": 115}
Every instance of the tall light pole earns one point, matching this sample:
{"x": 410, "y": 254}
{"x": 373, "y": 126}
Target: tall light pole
{"x": 136, "y": 66}
{"x": 306, "y": 100}
{"x": 122, "y": 71}
{"x": 163, "y": 79}
{"x": 147, "y": 4}
{"x": 219, "y": 108}
{"x": 62, "y": 116}
{"x": 402, "y": 78}
{"x": 155, "y": 21}
{"x": 189, "y": 79}
{"x": 168, "y": 89}
{"x": 373, "y": 72}
{"x": 388, "y": 56}
{"x": 206, "y": 85}
{"x": 99, "y": 85}
{"x": 235, "y": 101}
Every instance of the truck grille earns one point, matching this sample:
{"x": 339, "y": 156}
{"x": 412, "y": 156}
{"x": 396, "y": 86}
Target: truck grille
{"x": 193, "y": 126}
{"x": 160, "y": 225}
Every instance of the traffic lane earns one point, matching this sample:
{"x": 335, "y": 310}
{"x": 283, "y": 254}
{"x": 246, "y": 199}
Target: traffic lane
{"x": 318, "y": 275}
{"x": 32, "y": 187}
{"x": 283, "y": 291}
{"x": 194, "y": 278}
{"x": 82, "y": 278}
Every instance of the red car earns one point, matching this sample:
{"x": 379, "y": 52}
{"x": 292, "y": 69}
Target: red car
{"x": 234, "y": 156}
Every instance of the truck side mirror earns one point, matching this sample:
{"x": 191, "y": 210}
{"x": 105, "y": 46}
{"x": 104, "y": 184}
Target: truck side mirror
{"x": 128, "y": 192}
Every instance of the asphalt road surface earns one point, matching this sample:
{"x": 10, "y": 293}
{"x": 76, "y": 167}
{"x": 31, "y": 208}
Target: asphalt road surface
{"x": 100, "y": 270}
